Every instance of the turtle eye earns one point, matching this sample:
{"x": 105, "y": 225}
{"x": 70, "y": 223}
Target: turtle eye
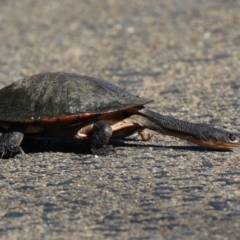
{"x": 232, "y": 137}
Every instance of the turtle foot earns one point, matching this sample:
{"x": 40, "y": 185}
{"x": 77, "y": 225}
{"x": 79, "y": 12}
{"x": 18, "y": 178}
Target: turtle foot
{"x": 9, "y": 143}
{"x": 10, "y": 149}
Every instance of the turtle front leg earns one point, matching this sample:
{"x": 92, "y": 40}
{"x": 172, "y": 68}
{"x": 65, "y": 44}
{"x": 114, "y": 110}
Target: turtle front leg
{"x": 100, "y": 135}
{"x": 11, "y": 139}
{"x": 10, "y": 142}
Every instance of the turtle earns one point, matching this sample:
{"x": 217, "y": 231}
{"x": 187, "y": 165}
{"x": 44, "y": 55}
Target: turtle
{"x": 71, "y": 106}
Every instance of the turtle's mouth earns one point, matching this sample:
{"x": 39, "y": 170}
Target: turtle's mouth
{"x": 216, "y": 145}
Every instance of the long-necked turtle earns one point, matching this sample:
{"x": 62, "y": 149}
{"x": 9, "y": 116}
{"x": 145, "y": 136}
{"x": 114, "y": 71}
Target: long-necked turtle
{"x": 65, "y": 105}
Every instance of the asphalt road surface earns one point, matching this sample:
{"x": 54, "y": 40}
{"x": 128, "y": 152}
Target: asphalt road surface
{"x": 184, "y": 54}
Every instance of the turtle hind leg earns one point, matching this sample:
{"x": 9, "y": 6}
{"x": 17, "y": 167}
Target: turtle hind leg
{"x": 101, "y": 133}
{"x": 10, "y": 142}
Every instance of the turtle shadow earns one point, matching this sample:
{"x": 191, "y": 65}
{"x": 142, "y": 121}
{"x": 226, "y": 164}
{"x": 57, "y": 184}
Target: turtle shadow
{"x": 179, "y": 148}
{"x": 54, "y": 145}
{"x": 37, "y": 145}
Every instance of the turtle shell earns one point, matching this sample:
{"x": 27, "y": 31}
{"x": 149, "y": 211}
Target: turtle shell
{"x": 61, "y": 95}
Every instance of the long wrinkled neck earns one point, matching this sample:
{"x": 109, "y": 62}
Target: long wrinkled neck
{"x": 168, "y": 125}
{"x": 200, "y": 134}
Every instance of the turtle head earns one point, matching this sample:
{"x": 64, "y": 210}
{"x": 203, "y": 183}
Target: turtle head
{"x": 212, "y": 138}
{"x": 229, "y": 140}
{"x": 219, "y": 139}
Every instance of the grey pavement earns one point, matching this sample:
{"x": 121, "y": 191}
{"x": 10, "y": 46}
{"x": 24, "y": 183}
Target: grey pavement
{"x": 184, "y": 54}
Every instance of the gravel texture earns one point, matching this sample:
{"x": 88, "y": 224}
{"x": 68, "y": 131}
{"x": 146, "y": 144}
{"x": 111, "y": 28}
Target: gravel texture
{"x": 185, "y": 55}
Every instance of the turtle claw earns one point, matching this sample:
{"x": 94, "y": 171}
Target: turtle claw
{"x": 10, "y": 149}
